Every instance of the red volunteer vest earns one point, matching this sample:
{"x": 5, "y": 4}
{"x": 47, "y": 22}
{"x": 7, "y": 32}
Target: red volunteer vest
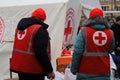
{"x": 96, "y": 57}
{"x": 23, "y": 58}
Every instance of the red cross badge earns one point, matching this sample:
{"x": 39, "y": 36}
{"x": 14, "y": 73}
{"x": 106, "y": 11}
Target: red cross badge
{"x": 2, "y": 29}
{"x": 99, "y": 38}
{"x": 21, "y": 34}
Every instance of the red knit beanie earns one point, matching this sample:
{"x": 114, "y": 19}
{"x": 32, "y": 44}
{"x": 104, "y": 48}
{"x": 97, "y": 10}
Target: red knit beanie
{"x": 39, "y": 13}
{"x": 96, "y": 12}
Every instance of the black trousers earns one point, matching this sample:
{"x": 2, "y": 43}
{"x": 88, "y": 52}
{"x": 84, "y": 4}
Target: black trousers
{"x": 25, "y": 76}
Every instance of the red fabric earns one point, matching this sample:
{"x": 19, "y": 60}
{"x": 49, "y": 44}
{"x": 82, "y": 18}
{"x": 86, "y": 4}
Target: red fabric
{"x": 96, "y": 12}
{"x": 96, "y": 48}
{"x": 95, "y": 65}
{"x": 39, "y": 13}
{"x": 25, "y": 63}
{"x": 66, "y": 52}
{"x": 24, "y": 59}
{"x": 91, "y": 64}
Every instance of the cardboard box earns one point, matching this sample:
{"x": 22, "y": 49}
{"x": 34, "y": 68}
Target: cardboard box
{"x": 62, "y": 63}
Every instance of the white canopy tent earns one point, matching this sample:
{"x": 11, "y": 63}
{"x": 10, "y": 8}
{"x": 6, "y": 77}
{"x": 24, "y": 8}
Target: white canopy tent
{"x": 57, "y": 17}
{"x": 88, "y": 5}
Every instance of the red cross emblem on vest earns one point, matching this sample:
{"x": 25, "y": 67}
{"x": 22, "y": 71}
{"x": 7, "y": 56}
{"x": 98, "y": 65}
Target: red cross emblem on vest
{"x": 21, "y": 34}
{"x": 99, "y": 38}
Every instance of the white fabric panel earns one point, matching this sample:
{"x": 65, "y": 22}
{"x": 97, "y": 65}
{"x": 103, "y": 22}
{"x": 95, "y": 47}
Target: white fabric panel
{"x": 69, "y": 75}
{"x": 113, "y": 67}
{"x": 11, "y": 16}
{"x": 58, "y": 76}
{"x": 77, "y": 8}
{"x": 88, "y": 5}
{"x": 5, "y": 54}
{"x": 56, "y": 30}
{"x": 73, "y": 14}
{"x": 4, "y": 3}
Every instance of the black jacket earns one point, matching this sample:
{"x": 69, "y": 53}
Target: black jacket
{"x": 40, "y": 41}
{"x": 116, "y": 29}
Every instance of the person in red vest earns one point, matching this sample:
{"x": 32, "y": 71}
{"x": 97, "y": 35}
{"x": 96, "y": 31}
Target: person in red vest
{"x": 30, "y": 56}
{"x": 94, "y": 42}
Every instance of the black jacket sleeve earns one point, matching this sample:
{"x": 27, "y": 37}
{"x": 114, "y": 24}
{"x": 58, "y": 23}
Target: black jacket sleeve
{"x": 40, "y": 48}
{"x": 116, "y": 29}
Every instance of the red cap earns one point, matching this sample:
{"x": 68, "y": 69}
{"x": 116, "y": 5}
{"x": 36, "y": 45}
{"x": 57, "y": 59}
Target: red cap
{"x": 96, "y": 12}
{"x": 39, "y": 13}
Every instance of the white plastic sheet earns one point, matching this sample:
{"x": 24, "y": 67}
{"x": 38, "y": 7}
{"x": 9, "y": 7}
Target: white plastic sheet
{"x": 58, "y": 76}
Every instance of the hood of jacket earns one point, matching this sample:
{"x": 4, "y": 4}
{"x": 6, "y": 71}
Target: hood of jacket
{"x": 27, "y": 22}
{"x": 98, "y": 23}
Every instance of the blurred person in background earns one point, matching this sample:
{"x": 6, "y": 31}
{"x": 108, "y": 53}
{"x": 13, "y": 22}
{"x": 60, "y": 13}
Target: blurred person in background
{"x": 116, "y": 29}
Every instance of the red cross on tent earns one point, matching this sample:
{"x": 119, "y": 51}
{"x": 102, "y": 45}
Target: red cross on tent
{"x": 100, "y": 38}
{"x": 68, "y": 30}
{"x": 1, "y": 27}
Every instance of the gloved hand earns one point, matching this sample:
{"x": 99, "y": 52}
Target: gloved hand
{"x": 51, "y": 75}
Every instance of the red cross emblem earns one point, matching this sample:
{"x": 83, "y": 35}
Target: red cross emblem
{"x": 99, "y": 38}
{"x": 21, "y": 34}
{"x": 69, "y": 27}
{"x": 68, "y": 30}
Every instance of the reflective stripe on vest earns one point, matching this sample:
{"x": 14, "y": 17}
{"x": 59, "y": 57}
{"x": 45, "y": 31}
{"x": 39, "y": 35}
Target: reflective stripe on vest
{"x": 28, "y": 50}
{"x": 22, "y": 51}
{"x": 95, "y": 54}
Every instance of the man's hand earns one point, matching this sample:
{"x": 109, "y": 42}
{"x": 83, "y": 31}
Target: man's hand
{"x": 51, "y": 75}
